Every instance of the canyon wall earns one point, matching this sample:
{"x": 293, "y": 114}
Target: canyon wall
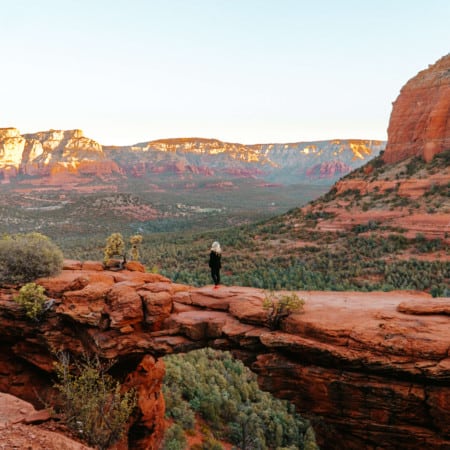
{"x": 396, "y": 190}
{"x": 371, "y": 370}
{"x": 48, "y": 153}
{"x": 420, "y": 120}
{"x": 51, "y": 154}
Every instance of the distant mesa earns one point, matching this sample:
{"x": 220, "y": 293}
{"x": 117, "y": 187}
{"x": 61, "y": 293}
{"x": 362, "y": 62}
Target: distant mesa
{"x": 46, "y": 153}
{"x": 419, "y": 126}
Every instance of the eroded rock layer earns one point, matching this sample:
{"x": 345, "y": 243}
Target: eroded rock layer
{"x": 420, "y": 118}
{"x": 372, "y": 370}
{"x": 60, "y": 156}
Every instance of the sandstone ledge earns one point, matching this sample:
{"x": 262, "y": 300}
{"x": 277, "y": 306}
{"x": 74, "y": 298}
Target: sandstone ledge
{"x": 367, "y": 364}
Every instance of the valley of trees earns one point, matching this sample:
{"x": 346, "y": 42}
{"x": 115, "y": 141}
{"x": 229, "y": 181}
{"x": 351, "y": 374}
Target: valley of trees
{"x": 265, "y": 254}
{"x": 259, "y": 250}
{"x": 210, "y": 387}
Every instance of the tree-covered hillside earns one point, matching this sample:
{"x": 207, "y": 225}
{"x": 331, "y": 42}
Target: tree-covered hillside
{"x": 220, "y": 390}
{"x": 294, "y": 251}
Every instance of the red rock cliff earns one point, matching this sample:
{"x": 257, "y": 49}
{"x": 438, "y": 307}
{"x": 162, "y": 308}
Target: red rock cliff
{"x": 372, "y": 370}
{"x": 420, "y": 118}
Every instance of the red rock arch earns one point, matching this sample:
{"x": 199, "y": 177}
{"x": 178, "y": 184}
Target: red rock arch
{"x": 365, "y": 367}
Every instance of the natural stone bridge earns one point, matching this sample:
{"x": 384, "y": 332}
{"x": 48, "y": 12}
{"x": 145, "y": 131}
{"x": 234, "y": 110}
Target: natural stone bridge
{"x": 371, "y": 370}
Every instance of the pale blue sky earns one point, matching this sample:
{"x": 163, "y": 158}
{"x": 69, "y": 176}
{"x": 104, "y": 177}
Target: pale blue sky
{"x": 127, "y": 71}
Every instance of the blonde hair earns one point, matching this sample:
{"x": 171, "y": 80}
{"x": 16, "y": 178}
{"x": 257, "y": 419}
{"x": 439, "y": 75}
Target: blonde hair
{"x": 215, "y": 247}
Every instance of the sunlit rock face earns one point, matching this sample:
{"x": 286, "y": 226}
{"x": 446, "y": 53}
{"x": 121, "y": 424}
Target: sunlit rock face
{"x": 282, "y": 163}
{"x": 45, "y": 153}
{"x": 419, "y": 126}
{"x": 53, "y": 153}
{"x": 66, "y": 146}
{"x": 46, "y": 147}
{"x": 420, "y": 119}
{"x": 12, "y": 146}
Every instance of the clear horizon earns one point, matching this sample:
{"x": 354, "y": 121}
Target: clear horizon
{"x": 250, "y": 72}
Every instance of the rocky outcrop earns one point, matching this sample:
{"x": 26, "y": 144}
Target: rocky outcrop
{"x": 66, "y": 146}
{"x": 17, "y": 430}
{"x": 12, "y": 146}
{"x": 287, "y": 163}
{"x": 56, "y": 155}
{"x": 413, "y": 205}
{"x": 408, "y": 187}
{"x": 54, "y": 146}
{"x": 328, "y": 170}
{"x": 420, "y": 118}
{"x": 397, "y": 191}
{"x": 371, "y": 370}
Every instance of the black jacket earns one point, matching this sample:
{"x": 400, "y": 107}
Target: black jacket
{"x": 214, "y": 260}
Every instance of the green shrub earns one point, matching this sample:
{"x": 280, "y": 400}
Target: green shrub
{"x": 26, "y": 257}
{"x": 179, "y": 410}
{"x": 226, "y": 395}
{"x": 135, "y": 242}
{"x": 210, "y": 444}
{"x": 442, "y": 159}
{"x": 362, "y": 228}
{"x": 174, "y": 438}
{"x": 115, "y": 246}
{"x": 32, "y": 298}
{"x": 424, "y": 245}
{"x": 414, "y": 165}
{"x": 440, "y": 291}
{"x": 92, "y": 402}
{"x": 280, "y": 306}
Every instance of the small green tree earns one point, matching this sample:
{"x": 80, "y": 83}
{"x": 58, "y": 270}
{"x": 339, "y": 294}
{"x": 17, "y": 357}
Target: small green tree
{"x": 25, "y": 257}
{"x": 135, "y": 242}
{"x": 115, "y": 246}
{"x": 280, "y": 306}
{"x": 32, "y": 298}
{"x": 174, "y": 438}
{"x": 92, "y": 402}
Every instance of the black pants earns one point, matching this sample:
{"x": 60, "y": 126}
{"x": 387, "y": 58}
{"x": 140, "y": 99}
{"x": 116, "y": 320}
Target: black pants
{"x": 215, "y": 275}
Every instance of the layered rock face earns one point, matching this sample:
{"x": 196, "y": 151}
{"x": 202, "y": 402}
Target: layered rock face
{"x": 53, "y": 152}
{"x": 12, "y": 146}
{"x": 328, "y": 170}
{"x": 372, "y": 370}
{"x": 391, "y": 191}
{"x": 66, "y": 146}
{"x": 46, "y": 147}
{"x": 420, "y": 118}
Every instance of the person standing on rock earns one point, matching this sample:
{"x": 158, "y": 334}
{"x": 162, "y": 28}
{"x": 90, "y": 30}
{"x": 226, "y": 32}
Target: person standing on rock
{"x": 215, "y": 264}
